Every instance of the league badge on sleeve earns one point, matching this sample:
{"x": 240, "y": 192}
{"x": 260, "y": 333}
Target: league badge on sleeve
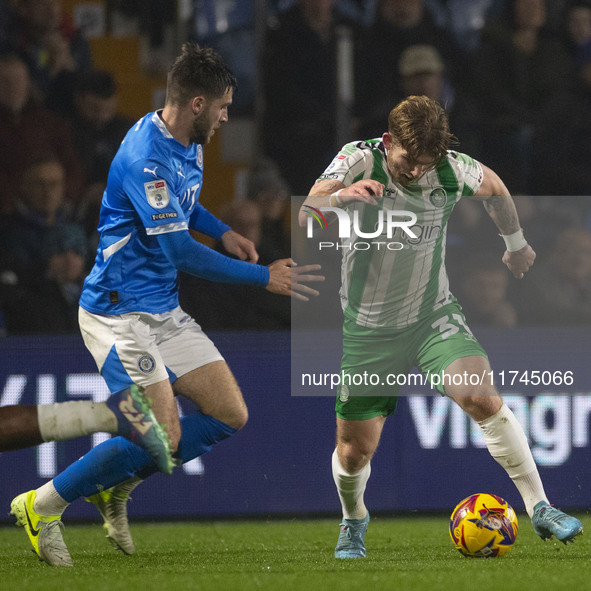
{"x": 157, "y": 193}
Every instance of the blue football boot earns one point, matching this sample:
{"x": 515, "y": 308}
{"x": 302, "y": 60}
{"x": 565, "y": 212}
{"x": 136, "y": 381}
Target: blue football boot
{"x": 549, "y": 521}
{"x": 351, "y": 542}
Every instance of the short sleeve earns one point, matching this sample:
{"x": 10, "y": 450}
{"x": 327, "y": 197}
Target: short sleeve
{"x": 469, "y": 172}
{"x": 151, "y": 190}
{"x": 349, "y": 165}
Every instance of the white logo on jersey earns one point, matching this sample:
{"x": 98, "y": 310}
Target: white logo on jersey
{"x": 190, "y": 194}
{"x": 179, "y": 171}
{"x": 151, "y": 171}
{"x": 157, "y": 194}
{"x": 199, "y": 156}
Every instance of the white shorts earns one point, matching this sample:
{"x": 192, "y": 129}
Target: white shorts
{"x": 144, "y": 348}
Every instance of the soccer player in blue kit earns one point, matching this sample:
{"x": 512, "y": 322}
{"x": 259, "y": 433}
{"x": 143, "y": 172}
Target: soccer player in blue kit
{"x": 130, "y": 317}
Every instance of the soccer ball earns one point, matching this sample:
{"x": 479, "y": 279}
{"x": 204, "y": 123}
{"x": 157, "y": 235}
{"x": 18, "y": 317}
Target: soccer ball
{"x": 483, "y": 526}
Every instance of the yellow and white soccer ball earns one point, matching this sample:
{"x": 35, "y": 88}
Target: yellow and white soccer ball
{"x": 483, "y": 526}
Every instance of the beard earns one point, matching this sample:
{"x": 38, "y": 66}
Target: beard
{"x": 201, "y": 130}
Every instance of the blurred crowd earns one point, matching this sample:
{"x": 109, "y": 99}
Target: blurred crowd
{"x": 513, "y": 75}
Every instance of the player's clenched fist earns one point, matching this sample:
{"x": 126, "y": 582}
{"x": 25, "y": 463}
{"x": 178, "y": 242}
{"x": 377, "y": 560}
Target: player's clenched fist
{"x": 520, "y": 261}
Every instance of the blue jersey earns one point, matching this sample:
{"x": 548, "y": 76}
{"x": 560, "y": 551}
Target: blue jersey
{"x": 153, "y": 187}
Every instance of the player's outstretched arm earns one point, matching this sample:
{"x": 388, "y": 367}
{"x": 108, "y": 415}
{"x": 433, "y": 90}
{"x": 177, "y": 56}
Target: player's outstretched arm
{"x": 205, "y": 222}
{"x": 190, "y": 256}
{"x": 283, "y": 277}
{"x": 286, "y": 278}
{"x": 333, "y": 193}
{"x": 240, "y": 246}
{"x": 499, "y": 205}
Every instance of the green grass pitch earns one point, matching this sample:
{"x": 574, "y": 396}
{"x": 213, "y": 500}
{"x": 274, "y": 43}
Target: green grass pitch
{"x": 404, "y": 553}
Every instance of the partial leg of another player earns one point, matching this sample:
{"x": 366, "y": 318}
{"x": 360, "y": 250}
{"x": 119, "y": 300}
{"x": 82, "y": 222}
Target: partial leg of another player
{"x": 117, "y": 460}
{"x": 507, "y": 444}
{"x": 39, "y": 511}
{"x": 127, "y": 413}
{"x": 357, "y": 441}
{"x": 221, "y": 416}
{"x": 112, "y": 505}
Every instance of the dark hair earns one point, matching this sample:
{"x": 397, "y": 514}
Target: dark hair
{"x": 420, "y": 125}
{"x": 197, "y": 70}
{"x": 97, "y": 82}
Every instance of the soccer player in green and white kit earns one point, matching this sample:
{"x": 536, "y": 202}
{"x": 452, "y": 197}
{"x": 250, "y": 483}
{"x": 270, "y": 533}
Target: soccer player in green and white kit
{"x": 399, "y": 312}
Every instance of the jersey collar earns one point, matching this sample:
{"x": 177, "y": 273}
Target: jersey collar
{"x": 157, "y": 121}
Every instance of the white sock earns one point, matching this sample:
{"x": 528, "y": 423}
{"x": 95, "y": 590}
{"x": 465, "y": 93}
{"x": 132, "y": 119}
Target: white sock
{"x": 66, "y": 420}
{"x": 350, "y": 488}
{"x": 508, "y": 445}
{"x": 48, "y": 500}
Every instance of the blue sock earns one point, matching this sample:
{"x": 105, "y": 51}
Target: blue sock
{"x": 105, "y": 465}
{"x": 117, "y": 459}
{"x": 198, "y": 434}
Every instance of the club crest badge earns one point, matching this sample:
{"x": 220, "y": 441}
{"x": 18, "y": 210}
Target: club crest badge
{"x": 438, "y": 197}
{"x": 344, "y": 393}
{"x": 146, "y": 363}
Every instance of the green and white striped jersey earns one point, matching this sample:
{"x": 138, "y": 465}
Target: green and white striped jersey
{"x": 387, "y": 288}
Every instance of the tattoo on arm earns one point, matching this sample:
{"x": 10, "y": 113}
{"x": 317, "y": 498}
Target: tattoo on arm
{"x": 502, "y": 211}
{"x": 326, "y": 188}
{"x": 319, "y": 196}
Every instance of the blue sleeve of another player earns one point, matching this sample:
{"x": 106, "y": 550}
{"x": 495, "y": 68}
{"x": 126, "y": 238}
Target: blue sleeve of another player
{"x": 204, "y": 221}
{"x": 151, "y": 188}
{"x": 193, "y": 257}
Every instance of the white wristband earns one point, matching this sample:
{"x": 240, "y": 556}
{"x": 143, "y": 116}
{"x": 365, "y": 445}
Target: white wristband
{"x": 337, "y": 201}
{"x": 515, "y": 241}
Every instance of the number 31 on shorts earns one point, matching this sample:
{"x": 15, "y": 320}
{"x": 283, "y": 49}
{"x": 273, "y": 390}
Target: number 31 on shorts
{"x": 450, "y": 325}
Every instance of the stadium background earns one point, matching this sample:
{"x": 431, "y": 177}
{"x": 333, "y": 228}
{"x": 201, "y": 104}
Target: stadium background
{"x": 279, "y": 464}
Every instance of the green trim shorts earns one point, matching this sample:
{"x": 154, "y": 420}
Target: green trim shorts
{"x": 375, "y": 362}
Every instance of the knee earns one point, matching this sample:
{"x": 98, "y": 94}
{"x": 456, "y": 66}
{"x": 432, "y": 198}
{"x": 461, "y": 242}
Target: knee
{"x": 237, "y": 418}
{"x": 480, "y": 407}
{"x": 353, "y": 456}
